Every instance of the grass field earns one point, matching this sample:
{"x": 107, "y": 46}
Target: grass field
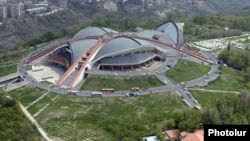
{"x": 97, "y": 82}
{"x": 229, "y": 80}
{"x": 41, "y": 103}
{"x": 10, "y": 66}
{"x": 90, "y": 118}
{"x": 186, "y": 70}
{"x": 27, "y": 94}
{"x": 82, "y": 118}
{"x": 9, "y": 69}
{"x": 79, "y": 118}
{"x": 13, "y": 56}
{"x": 209, "y": 98}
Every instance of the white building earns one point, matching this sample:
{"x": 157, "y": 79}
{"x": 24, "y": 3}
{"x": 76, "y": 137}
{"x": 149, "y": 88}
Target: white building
{"x": 16, "y": 10}
{"x": 3, "y": 13}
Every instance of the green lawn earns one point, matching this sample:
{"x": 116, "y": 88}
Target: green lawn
{"x": 6, "y": 70}
{"x": 14, "y": 58}
{"x": 229, "y": 80}
{"x": 209, "y": 98}
{"x": 27, "y": 94}
{"x": 79, "y": 118}
{"x": 186, "y": 70}
{"x": 41, "y": 103}
{"x": 97, "y": 82}
{"x": 14, "y": 126}
{"x": 11, "y": 66}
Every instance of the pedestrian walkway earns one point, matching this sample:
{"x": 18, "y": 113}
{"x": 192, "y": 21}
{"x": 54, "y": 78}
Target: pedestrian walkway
{"x": 37, "y": 100}
{"x": 44, "y": 107}
{"x": 39, "y": 128}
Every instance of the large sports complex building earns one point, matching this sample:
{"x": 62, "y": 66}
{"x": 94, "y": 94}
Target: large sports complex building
{"x": 97, "y": 48}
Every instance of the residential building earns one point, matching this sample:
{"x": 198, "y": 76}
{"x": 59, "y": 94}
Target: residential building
{"x": 3, "y": 13}
{"x": 16, "y": 10}
{"x": 198, "y": 135}
{"x": 176, "y": 134}
{"x": 173, "y": 134}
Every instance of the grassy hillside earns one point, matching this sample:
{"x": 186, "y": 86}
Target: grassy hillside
{"x": 14, "y": 125}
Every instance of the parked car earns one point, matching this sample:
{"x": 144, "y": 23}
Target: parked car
{"x": 169, "y": 66}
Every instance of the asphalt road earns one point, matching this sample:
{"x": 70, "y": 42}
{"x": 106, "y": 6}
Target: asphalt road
{"x": 170, "y": 86}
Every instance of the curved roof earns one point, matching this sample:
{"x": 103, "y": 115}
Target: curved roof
{"x": 181, "y": 39}
{"x": 151, "y": 33}
{"x": 80, "y": 47}
{"x": 172, "y": 30}
{"x": 128, "y": 59}
{"x": 117, "y": 44}
{"x": 110, "y": 30}
{"x": 168, "y": 31}
{"x": 145, "y": 42}
{"x": 93, "y": 31}
{"x": 121, "y": 48}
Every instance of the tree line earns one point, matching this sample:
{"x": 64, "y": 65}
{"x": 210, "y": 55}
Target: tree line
{"x": 13, "y": 124}
{"x": 196, "y": 27}
{"x": 229, "y": 110}
{"x": 239, "y": 60}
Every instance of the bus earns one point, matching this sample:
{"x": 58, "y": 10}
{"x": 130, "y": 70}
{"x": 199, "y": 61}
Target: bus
{"x": 197, "y": 107}
{"x": 72, "y": 92}
{"x": 97, "y": 94}
{"x": 135, "y": 89}
{"x": 108, "y": 90}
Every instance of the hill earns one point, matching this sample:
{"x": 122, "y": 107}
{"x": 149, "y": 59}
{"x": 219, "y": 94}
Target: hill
{"x": 81, "y": 12}
{"x": 18, "y": 31}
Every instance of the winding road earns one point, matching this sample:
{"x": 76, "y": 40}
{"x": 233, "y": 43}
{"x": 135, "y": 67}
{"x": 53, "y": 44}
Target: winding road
{"x": 180, "y": 88}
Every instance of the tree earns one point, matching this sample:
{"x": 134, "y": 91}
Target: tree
{"x": 159, "y": 134}
{"x": 64, "y": 32}
{"x": 48, "y": 36}
{"x": 99, "y": 20}
{"x": 191, "y": 120}
{"x": 13, "y": 124}
{"x": 170, "y": 124}
{"x": 178, "y": 116}
{"x": 247, "y": 74}
{"x": 247, "y": 48}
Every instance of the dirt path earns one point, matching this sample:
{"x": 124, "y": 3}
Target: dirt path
{"x": 220, "y": 91}
{"x": 39, "y": 128}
